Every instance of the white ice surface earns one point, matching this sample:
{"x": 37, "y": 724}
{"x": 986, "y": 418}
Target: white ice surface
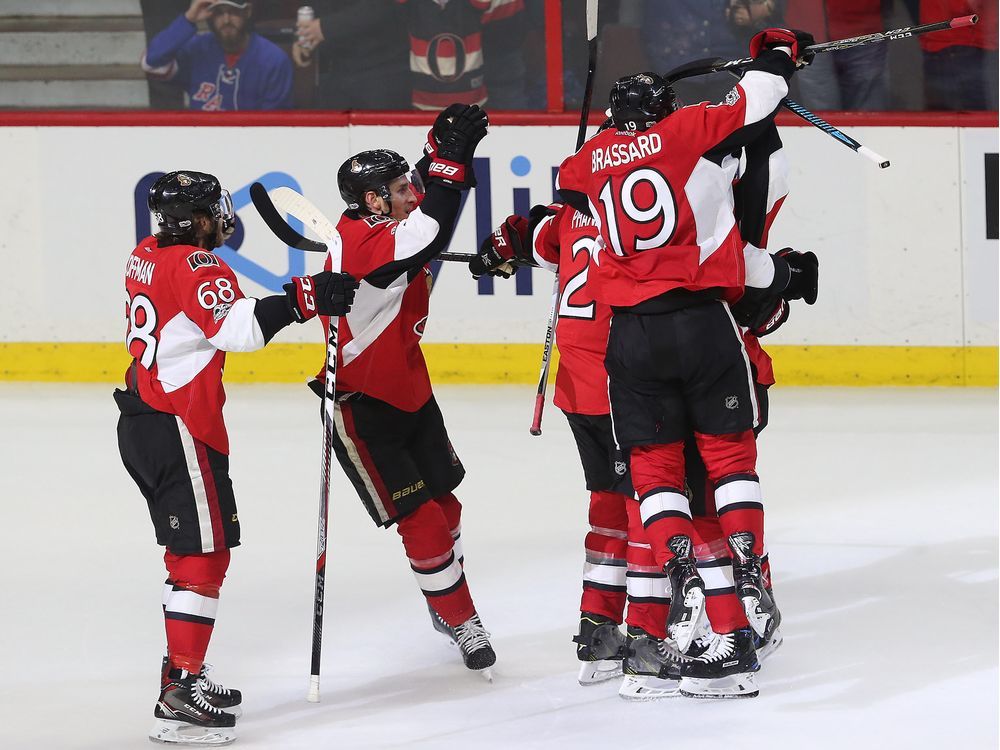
{"x": 882, "y": 520}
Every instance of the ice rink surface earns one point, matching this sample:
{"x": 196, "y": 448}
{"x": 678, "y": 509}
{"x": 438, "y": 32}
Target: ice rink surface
{"x": 882, "y": 519}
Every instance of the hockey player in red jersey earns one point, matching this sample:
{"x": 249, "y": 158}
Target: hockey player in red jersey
{"x": 390, "y": 436}
{"x": 660, "y": 186}
{"x": 557, "y": 237}
{"x": 184, "y": 311}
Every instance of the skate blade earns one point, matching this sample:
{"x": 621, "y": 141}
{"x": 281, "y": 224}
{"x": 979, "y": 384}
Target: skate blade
{"x": 765, "y": 651}
{"x": 170, "y": 732}
{"x": 734, "y": 686}
{"x": 594, "y": 672}
{"x": 486, "y": 674}
{"x": 647, "y": 688}
{"x": 757, "y": 617}
{"x": 683, "y": 632}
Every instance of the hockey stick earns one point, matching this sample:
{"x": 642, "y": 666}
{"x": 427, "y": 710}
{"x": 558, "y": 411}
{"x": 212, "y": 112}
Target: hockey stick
{"x": 294, "y": 204}
{"x": 280, "y": 228}
{"x": 581, "y": 136}
{"x": 710, "y": 65}
{"x": 858, "y": 41}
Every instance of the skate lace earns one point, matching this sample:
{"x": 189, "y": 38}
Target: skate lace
{"x": 723, "y": 646}
{"x": 471, "y": 635}
{"x": 209, "y": 685}
{"x": 669, "y": 652}
{"x": 198, "y": 698}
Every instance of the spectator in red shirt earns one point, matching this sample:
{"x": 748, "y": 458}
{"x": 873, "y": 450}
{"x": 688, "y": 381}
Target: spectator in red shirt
{"x": 960, "y": 66}
{"x": 852, "y": 79}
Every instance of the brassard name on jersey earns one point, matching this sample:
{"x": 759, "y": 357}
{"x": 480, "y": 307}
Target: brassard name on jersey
{"x": 622, "y": 153}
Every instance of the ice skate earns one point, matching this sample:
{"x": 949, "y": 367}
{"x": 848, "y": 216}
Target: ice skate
{"x": 228, "y": 699}
{"x": 473, "y": 642}
{"x": 651, "y": 668}
{"x": 725, "y": 670}
{"x": 750, "y": 589}
{"x": 687, "y": 604}
{"x": 185, "y": 717}
{"x": 600, "y": 646}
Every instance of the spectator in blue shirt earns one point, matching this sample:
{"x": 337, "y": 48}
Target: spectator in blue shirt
{"x": 231, "y": 68}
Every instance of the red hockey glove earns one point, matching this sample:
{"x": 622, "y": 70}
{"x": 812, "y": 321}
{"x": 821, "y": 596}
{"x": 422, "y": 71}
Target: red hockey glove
{"x": 326, "y": 293}
{"x": 502, "y": 250}
{"x": 795, "y": 40}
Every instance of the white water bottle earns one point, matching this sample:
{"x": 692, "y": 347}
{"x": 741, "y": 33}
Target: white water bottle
{"x": 305, "y": 14}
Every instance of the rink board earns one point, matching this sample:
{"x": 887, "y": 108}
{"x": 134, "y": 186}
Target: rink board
{"x": 908, "y": 254}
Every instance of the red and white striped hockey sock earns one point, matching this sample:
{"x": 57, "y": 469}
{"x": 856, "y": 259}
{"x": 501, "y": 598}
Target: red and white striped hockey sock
{"x": 190, "y": 603}
{"x": 431, "y": 551}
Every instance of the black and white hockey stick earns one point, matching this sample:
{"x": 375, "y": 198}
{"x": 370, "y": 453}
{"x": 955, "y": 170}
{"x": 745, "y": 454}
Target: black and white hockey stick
{"x": 280, "y": 228}
{"x": 581, "y": 136}
{"x": 294, "y": 204}
{"x": 858, "y": 41}
{"x": 710, "y": 65}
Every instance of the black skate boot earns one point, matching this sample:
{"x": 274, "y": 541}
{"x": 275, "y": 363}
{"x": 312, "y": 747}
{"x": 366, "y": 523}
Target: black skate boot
{"x": 725, "y": 670}
{"x": 472, "y": 640}
{"x": 749, "y": 582}
{"x": 228, "y": 699}
{"x": 768, "y": 643}
{"x": 651, "y": 669}
{"x": 687, "y": 602}
{"x": 185, "y": 717}
{"x": 600, "y": 646}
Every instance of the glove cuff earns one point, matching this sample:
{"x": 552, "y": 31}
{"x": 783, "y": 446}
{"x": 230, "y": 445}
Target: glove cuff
{"x": 301, "y": 294}
{"x": 447, "y": 171}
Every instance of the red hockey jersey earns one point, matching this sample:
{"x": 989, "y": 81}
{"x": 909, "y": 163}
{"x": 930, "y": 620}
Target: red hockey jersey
{"x": 563, "y": 243}
{"x": 663, "y": 198}
{"x": 184, "y": 311}
{"x": 379, "y": 339}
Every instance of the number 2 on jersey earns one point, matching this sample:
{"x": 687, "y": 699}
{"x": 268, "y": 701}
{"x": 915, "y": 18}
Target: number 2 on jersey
{"x": 567, "y": 309}
{"x": 142, "y": 320}
{"x": 630, "y": 224}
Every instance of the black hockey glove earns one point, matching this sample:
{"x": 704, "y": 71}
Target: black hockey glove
{"x": 502, "y": 250}
{"x": 804, "y": 270}
{"x": 452, "y": 165}
{"x": 326, "y": 293}
{"x": 441, "y": 125}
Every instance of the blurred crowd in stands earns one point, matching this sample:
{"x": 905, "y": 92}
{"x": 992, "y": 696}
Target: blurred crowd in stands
{"x": 225, "y": 55}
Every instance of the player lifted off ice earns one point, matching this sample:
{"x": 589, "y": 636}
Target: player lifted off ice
{"x": 672, "y": 259}
{"x": 390, "y": 436}
{"x": 185, "y": 310}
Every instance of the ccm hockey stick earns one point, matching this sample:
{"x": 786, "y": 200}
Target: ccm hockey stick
{"x": 581, "y": 136}
{"x": 294, "y": 204}
{"x": 858, "y": 41}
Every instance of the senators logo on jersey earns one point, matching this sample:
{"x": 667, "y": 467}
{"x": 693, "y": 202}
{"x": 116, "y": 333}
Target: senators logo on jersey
{"x": 202, "y": 259}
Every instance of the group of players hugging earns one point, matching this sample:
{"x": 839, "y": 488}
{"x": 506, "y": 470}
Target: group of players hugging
{"x": 666, "y": 287}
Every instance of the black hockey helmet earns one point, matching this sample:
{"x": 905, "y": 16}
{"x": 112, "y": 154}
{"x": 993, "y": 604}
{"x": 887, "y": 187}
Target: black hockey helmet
{"x": 639, "y": 100}
{"x": 369, "y": 170}
{"x": 176, "y": 197}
